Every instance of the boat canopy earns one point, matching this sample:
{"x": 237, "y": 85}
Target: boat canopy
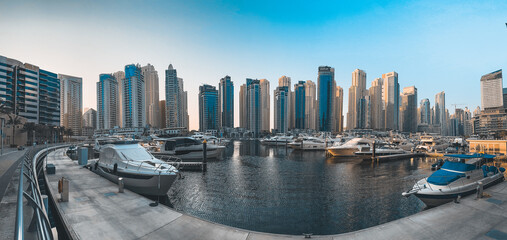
{"x": 442, "y": 177}
{"x": 467, "y": 156}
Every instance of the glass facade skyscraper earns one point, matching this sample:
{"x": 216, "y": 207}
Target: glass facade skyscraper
{"x": 107, "y": 102}
{"x": 299, "y": 102}
{"x": 254, "y": 118}
{"x": 31, "y": 92}
{"x": 133, "y": 87}
{"x": 71, "y": 102}
{"x": 227, "y": 102}
{"x": 391, "y": 97}
{"x": 208, "y": 108}
{"x": 281, "y": 104}
{"x": 326, "y": 95}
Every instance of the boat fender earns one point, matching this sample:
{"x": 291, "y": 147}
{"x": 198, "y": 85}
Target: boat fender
{"x": 115, "y": 168}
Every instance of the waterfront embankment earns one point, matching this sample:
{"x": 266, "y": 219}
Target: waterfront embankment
{"x": 96, "y": 210}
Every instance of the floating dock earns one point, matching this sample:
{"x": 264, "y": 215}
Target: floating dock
{"x": 399, "y": 156}
{"x": 96, "y": 210}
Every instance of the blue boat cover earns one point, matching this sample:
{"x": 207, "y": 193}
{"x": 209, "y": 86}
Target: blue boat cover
{"x": 475, "y": 155}
{"x": 457, "y": 166}
{"x": 442, "y": 177}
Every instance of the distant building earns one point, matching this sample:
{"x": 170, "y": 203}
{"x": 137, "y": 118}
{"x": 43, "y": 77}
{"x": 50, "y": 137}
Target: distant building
{"x": 409, "y": 109}
{"x": 281, "y": 111}
{"x": 254, "y": 105}
{"x": 173, "y": 97}
{"x": 299, "y": 101}
{"x": 265, "y": 106}
{"x": 311, "y": 106}
{"x": 226, "y": 91}
{"x": 243, "y": 107}
{"x": 71, "y": 102}
{"x": 440, "y": 113}
{"x": 487, "y": 146}
{"x": 107, "y": 102}
{"x": 425, "y": 112}
{"x": 151, "y": 92}
{"x": 133, "y": 88}
{"x": 357, "y": 91}
{"x": 161, "y": 106}
{"x": 90, "y": 119}
{"x": 377, "y": 114}
{"x": 120, "y": 78}
{"x": 208, "y": 108}
{"x": 326, "y": 97}
{"x": 391, "y": 97}
{"x": 285, "y": 81}
{"x": 339, "y": 109}
{"x": 492, "y": 90}
{"x": 504, "y": 97}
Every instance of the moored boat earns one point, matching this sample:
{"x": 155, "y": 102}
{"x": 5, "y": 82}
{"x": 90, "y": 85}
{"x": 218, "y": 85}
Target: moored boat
{"x": 140, "y": 171}
{"x": 456, "y": 178}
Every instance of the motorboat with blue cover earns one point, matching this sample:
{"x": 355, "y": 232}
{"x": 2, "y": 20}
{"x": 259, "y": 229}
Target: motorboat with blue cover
{"x": 140, "y": 171}
{"x": 457, "y": 178}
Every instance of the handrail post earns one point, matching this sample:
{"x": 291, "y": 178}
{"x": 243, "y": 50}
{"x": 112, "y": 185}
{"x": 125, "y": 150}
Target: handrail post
{"x": 19, "y": 230}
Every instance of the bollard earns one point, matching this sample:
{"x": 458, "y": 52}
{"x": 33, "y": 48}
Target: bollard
{"x": 63, "y": 189}
{"x": 120, "y": 185}
{"x": 480, "y": 188}
{"x": 204, "y": 156}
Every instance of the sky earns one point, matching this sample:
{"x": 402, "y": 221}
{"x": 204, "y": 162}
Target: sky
{"x": 434, "y": 45}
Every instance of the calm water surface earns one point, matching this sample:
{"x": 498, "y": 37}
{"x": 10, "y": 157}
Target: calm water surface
{"x": 278, "y": 190}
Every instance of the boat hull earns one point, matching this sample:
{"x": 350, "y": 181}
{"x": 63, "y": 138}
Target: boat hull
{"x": 342, "y": 152}
{"x": 439, "y": 198}
{"x": 192, "y": 155}
{"x": 141, "y": 184}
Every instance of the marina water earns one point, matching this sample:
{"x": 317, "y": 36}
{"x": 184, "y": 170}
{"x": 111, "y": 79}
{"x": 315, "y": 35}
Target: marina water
{"x": 278, "y": 190}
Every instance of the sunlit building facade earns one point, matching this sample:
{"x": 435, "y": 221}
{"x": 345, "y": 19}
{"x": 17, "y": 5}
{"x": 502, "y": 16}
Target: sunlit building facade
{"x": 208, "y": 108}
{"x": 71, "y": 102}
{"x": 391, "y": 98}
{"x": 226, "y": 89}
{"x": 107, "y": 102}
{"x": 281, "y": 111}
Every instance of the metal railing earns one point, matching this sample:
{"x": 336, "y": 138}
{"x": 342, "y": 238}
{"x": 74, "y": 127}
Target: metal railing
{"x": 31, "y": 167}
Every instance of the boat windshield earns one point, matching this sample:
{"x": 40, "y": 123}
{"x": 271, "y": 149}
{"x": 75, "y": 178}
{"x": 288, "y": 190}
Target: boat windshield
{"x": 135, "y": 154}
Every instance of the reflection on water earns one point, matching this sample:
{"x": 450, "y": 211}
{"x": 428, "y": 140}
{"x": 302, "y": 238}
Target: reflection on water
{"x": 278, "y": 190}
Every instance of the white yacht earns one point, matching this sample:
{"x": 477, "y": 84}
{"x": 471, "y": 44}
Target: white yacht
{"x": 277, "y": 140}
{"x": 456, "y": 178}
{"x": 187, "y": 149}
{"x": 349, "y": 148}
{"x": 381, "y": 151}
{"x": 430, "y": 143}
{"x": 309, "y": 143}
{"x": 140, "y": 171}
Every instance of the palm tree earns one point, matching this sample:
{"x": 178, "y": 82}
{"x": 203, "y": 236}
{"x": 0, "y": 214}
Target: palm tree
{"x": 13, "y": 121}
{"x": 29, "y": 127}
{"x": 69, "y": 133}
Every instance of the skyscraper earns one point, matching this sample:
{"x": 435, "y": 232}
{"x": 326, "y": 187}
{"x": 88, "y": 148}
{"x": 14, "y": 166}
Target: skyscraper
{"x": 227, "y": 102}
{"x": 440, "y": 112}
{"x": 265, "y": 105}
{"x": 311, "y": 106}
{"x": 243, "y": 107}
{"x": 151, "y": 93}
{"x": 377, "y": 114}
{"x": 208, "y": 108}
{"x": 120, "y": 78}
{"x": 133, "y": 87}
{"x": 281, "y": 105}
{"x": 172, "y": 97}
{"x": 391, "y": 97}
{"x": 492, "y": 90}
{"x": 184, "y": 108}
{"x": 71, "y": 102}
{"x": 107, "y": 102}
{"x": 357, "y": 91}
{"x": 425, "y": 112}
{"x": 300, "y": 102}
{"x": 409, "y": 109}
{"x": 285, "y": 81}
{"x": 339, "y": 109}
{"x": 254, "y": 105}
{"x": 326, "y": 96}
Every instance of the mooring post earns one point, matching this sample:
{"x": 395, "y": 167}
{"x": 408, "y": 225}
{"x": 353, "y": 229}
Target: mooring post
{"x": 373, "y": 152}
{"x": 204, "y": 156}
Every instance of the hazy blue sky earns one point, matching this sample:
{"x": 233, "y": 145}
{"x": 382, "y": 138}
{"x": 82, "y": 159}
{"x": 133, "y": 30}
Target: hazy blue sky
{"x": 434, "y": 45}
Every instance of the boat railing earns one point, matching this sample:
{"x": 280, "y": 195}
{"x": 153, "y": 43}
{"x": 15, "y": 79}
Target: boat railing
{"x": 172, "y": 160}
